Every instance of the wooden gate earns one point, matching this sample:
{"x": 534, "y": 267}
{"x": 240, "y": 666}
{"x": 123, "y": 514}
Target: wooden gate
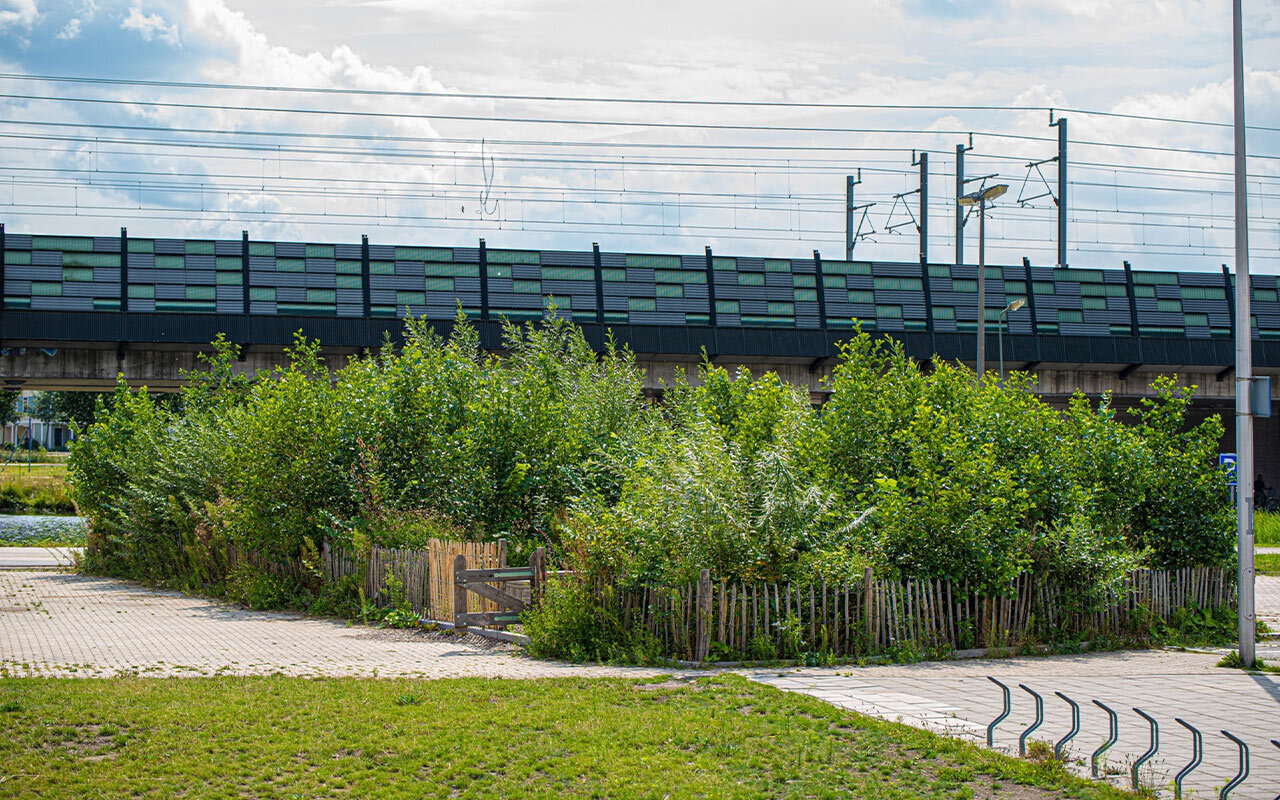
{"x": 494, "y": 585}
{"x": 442, "y": 553}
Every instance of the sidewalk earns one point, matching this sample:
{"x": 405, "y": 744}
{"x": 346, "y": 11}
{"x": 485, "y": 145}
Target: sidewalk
{"x": 23, "y": 557}
{"x": 958, "y": 699}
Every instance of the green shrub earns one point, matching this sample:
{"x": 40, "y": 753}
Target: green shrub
{"x": 570, "y": 624}
{"x": 925, "y": 473}
{"x": 262, "y": 591}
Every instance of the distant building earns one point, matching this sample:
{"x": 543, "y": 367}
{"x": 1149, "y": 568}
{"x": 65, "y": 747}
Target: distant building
{"x": 49, "y": 435}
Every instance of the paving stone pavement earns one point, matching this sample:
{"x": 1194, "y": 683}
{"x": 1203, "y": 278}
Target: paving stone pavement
{"x": 1266, "y": 599}
{"x": 57, "y": 624}
{"x": 956, "y": 698}
{"x": 11, "y": 557}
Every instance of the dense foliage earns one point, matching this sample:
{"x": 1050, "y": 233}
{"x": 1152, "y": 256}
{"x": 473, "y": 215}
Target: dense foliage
{"x": 921, "y": 471}
{"x": 76, "y": 408}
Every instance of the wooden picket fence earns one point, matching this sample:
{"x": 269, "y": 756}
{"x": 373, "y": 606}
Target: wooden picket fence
{"x": 410, "y": 567}
{"x": 874, "y": 615}
{"x": 479, "y": 555}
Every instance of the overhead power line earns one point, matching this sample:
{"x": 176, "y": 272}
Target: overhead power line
{"x": 326, "y": 90}
{"x": 649, "y": 124}
{"x": 557, "y": 143}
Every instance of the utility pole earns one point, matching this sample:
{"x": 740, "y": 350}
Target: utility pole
{"x": 923, "y": 162}
{"x": 850, "y": 211}
{"x": 982, "y": 199}
{"x": 1061, "y": 124}
{"x": 960, "y": 151}
{"x": 981, "y": 367}
{"x": 1244, "y": 363}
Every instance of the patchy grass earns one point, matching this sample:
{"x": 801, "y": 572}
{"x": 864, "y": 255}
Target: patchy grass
{"x": 42, "y": 489}
{"x": 280, "y": 737}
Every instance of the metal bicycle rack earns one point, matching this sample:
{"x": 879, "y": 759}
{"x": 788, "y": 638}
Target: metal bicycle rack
{"x": 1244, "y": 767}
{"x": 1075, "y": 727}
{"x": 1113, "y": 736}
{"x": 1197, "y": 755}
{"x": 1151, "y": 751}
{"x": 1022, "y": 740}
{"x": 991, "y": 729}
{"x": 1111, "y": 739}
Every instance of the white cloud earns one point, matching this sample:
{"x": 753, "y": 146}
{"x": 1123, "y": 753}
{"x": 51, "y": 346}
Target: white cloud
{"x": 1169, "y": 58}
{"x": 71, "y": 30}
{"x": 150, "y": 26}
{"x": 75, "y": 25}
{"x": 15, "y": 13}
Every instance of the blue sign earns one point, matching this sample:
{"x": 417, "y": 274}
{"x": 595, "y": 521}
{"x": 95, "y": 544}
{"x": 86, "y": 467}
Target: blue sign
{"x": 1228, "y": 460}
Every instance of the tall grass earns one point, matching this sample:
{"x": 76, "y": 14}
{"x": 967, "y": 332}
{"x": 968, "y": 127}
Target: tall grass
{"x": 40, "y": 490}
{"x": 1266, "y": 529}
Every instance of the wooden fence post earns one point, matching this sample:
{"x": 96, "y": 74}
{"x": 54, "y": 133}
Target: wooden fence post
{"x": 459, "y": 592}
{"x": 537, "y": 581}
{"x": 868, "y": 611}
{"x": 702, "y": 646}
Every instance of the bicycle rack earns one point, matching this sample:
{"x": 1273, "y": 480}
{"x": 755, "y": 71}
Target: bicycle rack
{"x": 1075, "y": 726}
{"x": 1022, "y": 740}
{"x": 1277, "y": 744}
{"x": 1197, "y": 754}
{"x": 991, "y": 729}
{"x": 1244, "y": 768}
{"x": 1111, "y": 740}
{"x": 1151, "y": 751}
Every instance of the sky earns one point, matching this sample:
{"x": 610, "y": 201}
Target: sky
{"x": 661, "y": 177}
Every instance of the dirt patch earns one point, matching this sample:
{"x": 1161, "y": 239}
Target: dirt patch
{"x": 469, "y": 640}
{"x": 89, "y": 741}
{"x": 672, "y": 684}
{"x": 984, "y": 788}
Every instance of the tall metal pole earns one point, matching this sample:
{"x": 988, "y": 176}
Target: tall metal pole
{"x": 924, "y": 208}
{"x": 1062, "y": 191}
{"x": 849, "y": 183}
{"x": 959, "y": 208}
{"x": 981, "y": 367}
{"x": 1244, "y": 363}
{"x": 1000, "y": 322}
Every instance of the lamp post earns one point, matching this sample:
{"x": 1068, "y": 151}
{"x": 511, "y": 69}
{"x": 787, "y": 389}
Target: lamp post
{"x": 1000, "y": 323}
{"x": 1244, "y": 360}
{"x": 981, "y": 198}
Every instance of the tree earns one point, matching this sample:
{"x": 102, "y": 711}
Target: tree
{"x": 71, "y": 407}
{"x": 9, "y": 405}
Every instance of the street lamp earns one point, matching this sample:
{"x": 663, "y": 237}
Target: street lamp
{"x": 1001, "y": 320}
{"x": 980, "y": 199}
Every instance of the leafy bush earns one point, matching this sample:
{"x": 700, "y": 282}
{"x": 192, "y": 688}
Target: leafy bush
{"x": 923, "y": 472}
{"x": 571, "y": 624}
{"x": 435, "y": 439}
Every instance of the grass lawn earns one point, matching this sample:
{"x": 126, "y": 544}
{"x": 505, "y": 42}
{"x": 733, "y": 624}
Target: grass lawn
{"x": 282, "y": 737}
{"x": 41, "y": 489}
{"x": 1266, "y": 563}
{"x": 1266, "y": 529}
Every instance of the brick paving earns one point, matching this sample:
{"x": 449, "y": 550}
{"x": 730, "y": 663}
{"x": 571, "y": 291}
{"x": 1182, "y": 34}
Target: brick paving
{"x": 12, "y": 557}
{"x": 955, "y": 697}
{"x": 56, "y": 624}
